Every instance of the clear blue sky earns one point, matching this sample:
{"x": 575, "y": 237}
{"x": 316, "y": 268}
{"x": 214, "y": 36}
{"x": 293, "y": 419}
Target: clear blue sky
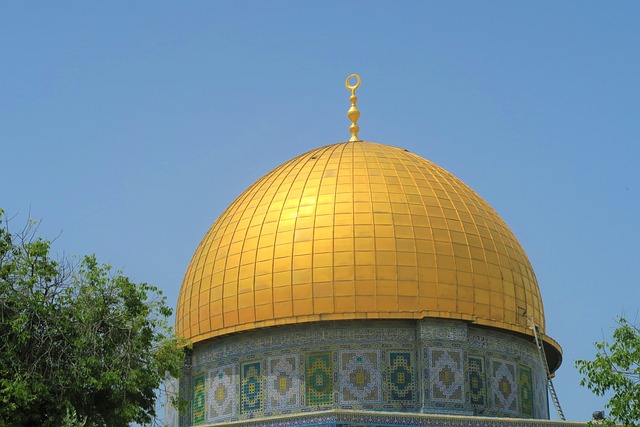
{"x": 130, "y": 126}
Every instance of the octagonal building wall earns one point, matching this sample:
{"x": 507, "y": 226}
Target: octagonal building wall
{"x": 430, "y": 366}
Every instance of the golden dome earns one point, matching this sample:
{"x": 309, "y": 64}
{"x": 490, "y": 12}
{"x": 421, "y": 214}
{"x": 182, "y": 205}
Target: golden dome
{"x": 357, "y": 230}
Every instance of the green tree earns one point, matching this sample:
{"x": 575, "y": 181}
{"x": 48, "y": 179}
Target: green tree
{"x": 616, "y": 370}
{"x": 80, "y": 341}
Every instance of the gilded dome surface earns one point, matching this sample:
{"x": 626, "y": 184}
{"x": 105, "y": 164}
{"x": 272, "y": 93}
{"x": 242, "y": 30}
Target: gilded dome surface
{"x": 357, "y": 230}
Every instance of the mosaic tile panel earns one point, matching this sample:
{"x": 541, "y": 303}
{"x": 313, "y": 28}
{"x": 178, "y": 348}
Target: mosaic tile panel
{"x": 283, "y": 382}
{"x": 351, "y": 365}
{"x": 477, "y": 381}
{"x": 526, "y": 391}
{"x": 541, "y": 404}
{"x": 199, "y": 399}
{"x": 504, "y": 391}
{"x": 360, "y": 376}
{"x": 319, "y": 378}
{"x": 446, "y": 375}
{"x": 221, "y": 396}
{"x": 439, "y": 330}
{"x": 401, "y": 377}
{"x": 296, "y": 338}
{"x": 251, "y": 387}
{"x": 497, "y": 342}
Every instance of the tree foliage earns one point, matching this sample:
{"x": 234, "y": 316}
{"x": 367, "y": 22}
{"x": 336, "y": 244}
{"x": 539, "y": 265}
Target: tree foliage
{"x": 616, "y": 370}
{"x": 77, "y": 339}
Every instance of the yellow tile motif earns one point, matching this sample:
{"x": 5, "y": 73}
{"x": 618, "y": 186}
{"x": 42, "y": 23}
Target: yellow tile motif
{"x": 356, "y": 230}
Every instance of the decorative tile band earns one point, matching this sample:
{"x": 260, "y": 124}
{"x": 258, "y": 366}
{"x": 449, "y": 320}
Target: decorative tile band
{"x": 305, "y": 334}
{"x": 359, "y": 418}
{"x": 442, "y": 367}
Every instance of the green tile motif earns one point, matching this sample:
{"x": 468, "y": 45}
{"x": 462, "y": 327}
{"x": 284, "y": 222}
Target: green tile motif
{"x": 400, "y": 380}
{"x": 199, "y": 399}
{"x": 526, "y": 391}
{"x": 251, "y": 388}
{"x": 477, "y": 381}
{"x": 319, "y": 378}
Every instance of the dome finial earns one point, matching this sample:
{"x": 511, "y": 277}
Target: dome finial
{"x": 353, "y": 113}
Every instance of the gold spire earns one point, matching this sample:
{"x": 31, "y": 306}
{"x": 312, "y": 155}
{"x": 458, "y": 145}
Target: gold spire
{"x": 353, "y": 113}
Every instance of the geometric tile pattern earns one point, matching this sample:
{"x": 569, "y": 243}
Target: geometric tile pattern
{"x": 283, "y": 382}
{"x": 498, "y": 343}
{"x": 526, "y": 391}
{"x": 366, "y": 366}
{"x": 288, "y": 341}
{"x": 199, "y": 399}
{"x": 251, "y": 392}
{"x": 319, "y": 378}
{"x": 367, "y": 418}
{"x": 504, "y": 391}
{"x": 446, "y": 375}
{"x": 221, "y": 392}
{"x": 541, "y": 404}
{"x": 360, "y": 376}
{"x": 400, "y": 377}
{"x": 442, "y": 330}
{"x": 477, "y": 381}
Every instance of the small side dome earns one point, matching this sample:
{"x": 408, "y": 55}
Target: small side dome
{"x": 358, "y": 230}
